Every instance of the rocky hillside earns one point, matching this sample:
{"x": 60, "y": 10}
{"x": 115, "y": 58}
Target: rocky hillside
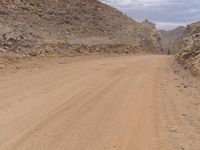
{"x": 34, "y": 27}
{"x": 170, "y": 39}
{"x": 190, "y": 48}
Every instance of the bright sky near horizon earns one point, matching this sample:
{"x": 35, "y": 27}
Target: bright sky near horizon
{"x": 167, "y": 14}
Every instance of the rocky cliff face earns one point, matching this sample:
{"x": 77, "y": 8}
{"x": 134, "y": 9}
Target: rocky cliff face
{"x": 34, "y": 27}
{"x": 170, "y": 39}
{"x": 190, "y": 48}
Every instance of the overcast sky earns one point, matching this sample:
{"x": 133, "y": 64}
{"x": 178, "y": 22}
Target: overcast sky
{"x": 167, "y": 14}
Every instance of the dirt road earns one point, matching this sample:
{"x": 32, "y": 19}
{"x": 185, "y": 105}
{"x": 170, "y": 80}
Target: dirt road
{"x": 119, "y": 103}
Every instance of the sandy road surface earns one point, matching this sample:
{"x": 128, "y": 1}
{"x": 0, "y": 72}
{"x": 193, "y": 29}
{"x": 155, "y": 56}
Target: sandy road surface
{"x": 121, "y": 103}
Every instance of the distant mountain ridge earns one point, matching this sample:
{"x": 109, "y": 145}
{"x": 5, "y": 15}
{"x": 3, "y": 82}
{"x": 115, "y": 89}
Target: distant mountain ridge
{"x": 170, "y": 38}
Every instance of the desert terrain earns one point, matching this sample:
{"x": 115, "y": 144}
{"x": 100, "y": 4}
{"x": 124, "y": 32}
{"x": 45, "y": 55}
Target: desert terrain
{"x": 82, "y": 75}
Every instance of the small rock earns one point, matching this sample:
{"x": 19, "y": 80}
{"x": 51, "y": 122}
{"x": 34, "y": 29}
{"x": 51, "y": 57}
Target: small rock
{"x": 182, "y": 148}
{"x": 33, "y": 54}
{"x": 2, "y": 50}
{"x": 18, "y": 67}
{"x": 2, "y": 66}
{"x": 173, "y": 130}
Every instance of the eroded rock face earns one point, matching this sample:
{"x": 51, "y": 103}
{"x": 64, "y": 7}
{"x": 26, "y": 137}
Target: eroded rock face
{"x": 33, "y": 27}
{"x": 190, "y": 48}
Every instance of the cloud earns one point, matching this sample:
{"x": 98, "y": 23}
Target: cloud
{"x": 169, "y": 12}
{"x": 168, "y": 25}
{"x": 129, "y": 3}
{"x": 191, "y": 10}
{"x": 137, "y": 4}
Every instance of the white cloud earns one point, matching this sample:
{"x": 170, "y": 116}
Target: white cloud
{"x": 134, "y": 3}
{"x": 168, "y": 25}
{"x": 193, "y": 10}
{"x": 167, "y": 13}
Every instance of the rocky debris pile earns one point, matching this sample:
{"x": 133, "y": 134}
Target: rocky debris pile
{"x": 103, "y": 48}
{"x": 18, "y": 37}
{"x": 34, "y": 27}
{"x": 170, "y": 40}
{"x": 190, "y": 49}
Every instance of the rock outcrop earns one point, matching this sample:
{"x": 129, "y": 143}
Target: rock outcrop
{"x": 34, "y": 27}
{"x": 190, "y": 49}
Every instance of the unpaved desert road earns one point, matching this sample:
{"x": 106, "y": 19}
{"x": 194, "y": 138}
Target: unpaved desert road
{"x": 119, "y": 103}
